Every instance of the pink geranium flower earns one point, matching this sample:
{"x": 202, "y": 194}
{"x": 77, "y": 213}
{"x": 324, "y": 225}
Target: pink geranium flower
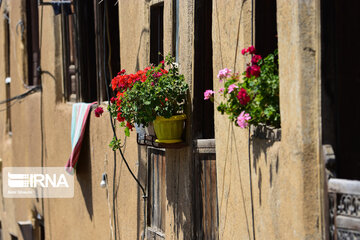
{"x": 242, "y": 119}
{"x": 208, "y": 94}
{"x": 224, "y": 73}
{"x": 221, "y": 90}
{"x": 232, "y": 88}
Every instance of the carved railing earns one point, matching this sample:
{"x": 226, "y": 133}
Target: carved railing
{"x": 344, "y": 204}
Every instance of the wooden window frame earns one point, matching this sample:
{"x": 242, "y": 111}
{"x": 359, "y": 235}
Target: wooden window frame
{"x": 79, "y": 64}
{"x": 33, "y": 49}
{"x": 156, "y": 205}
{"x": 108, "y": 53}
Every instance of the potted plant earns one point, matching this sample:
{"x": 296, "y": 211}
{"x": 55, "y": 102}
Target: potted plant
{"x": 255, "y": 99}
{"x": 154, "y": 95}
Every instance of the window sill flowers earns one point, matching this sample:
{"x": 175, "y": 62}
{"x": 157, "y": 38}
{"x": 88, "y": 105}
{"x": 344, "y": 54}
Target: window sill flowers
{"x": 151, "y": 93}
{"x": 255, "y": 99}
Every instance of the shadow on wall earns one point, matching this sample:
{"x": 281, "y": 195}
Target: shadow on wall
{"x": 83, "y": 172}
{"x": 142, "y": 176}
{"x": 262, "y": 139}
{"x": 137, "y": 66}
{"x": 232, "y": 148}
{"x": 178, "y": 194}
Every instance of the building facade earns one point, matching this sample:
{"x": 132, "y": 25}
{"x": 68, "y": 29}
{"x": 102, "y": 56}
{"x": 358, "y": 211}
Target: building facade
{"x": 223, "y": 182}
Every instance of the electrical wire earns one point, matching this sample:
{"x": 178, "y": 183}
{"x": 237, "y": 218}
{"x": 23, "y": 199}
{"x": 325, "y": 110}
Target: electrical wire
{"x": 23, "y": 95}
{"x": 111, "y": 120}
{"x": 10, "y": 105}
{"x": 114, "y": 132}
{"x": 249, "y": 140}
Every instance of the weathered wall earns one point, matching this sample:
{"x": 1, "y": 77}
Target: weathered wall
{"x": 264, "y": 186}
{"x": 86, "y": 216}
{"x": 46, "y": 117}
{"x": 271, "y": 189}
{"x": 299, "y": 57}
{"x": 18, "y": 149}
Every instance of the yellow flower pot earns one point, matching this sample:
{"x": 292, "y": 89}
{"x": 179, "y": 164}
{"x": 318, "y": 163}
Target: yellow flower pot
{"x": 169, "y": 130}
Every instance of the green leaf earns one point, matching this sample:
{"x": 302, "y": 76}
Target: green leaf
{"x": 127, "y": 132}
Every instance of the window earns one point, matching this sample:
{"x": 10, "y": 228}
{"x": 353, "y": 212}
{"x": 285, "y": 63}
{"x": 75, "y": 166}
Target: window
{"x": 91, "y": 48}
{"x": 79, "y": 57}
{"x": 13, "y": 237}
{"x": 33, "y": 53}
{"x": 156, "y": 33}
{"x": 340, "y": 82}
{"x": 203, "y": 111}
{"x": 156, "y": 192}
{"x": 69, "y": 55}
{"x": 265, "y": 27}
{"x": 7, "y": 70}
{"x": 206, "y": 200}
{"x": 107, "y": 44}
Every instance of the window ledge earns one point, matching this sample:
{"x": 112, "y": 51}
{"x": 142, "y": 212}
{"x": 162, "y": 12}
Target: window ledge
{"x": 266, "y": 132}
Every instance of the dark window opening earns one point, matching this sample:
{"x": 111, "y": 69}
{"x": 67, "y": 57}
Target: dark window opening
{"x": 203, "y": 111}
{"x": 42, "y": 230}
{"x": 33, "y": 51}
{"x": 86, "y": 46}
{"x": 79, "y": 56}
{"x": 265, "y": 27}
{"x": 107, "y": 44}
{"x": 13, "y": 237}
{"x": 156, "y": 33}
{"x": 340, "y": 83}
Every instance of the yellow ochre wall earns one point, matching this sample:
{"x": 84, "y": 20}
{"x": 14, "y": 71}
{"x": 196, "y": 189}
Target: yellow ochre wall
{"x": 280, "y": 197}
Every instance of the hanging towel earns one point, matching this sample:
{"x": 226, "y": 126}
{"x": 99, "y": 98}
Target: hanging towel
{"x": 80, "y": 113}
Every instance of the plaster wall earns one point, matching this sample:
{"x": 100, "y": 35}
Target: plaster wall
{"x": 264, "y": 186}
{"x": 271, "y": 189}
{"x": 45, "y": 118}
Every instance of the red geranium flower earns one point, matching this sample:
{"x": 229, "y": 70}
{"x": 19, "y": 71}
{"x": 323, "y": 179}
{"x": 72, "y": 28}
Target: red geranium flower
{"x": 255, "y": 70}
{"x": 251, "y": 50}
{"x": 129, "y": 125}
{"x": 119, "y": 117}
{"x": 243, "y": 97}
{"x": 255, "y": 59}
{"x": 98, "y": 111}
{"x": 248, "y": 72}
